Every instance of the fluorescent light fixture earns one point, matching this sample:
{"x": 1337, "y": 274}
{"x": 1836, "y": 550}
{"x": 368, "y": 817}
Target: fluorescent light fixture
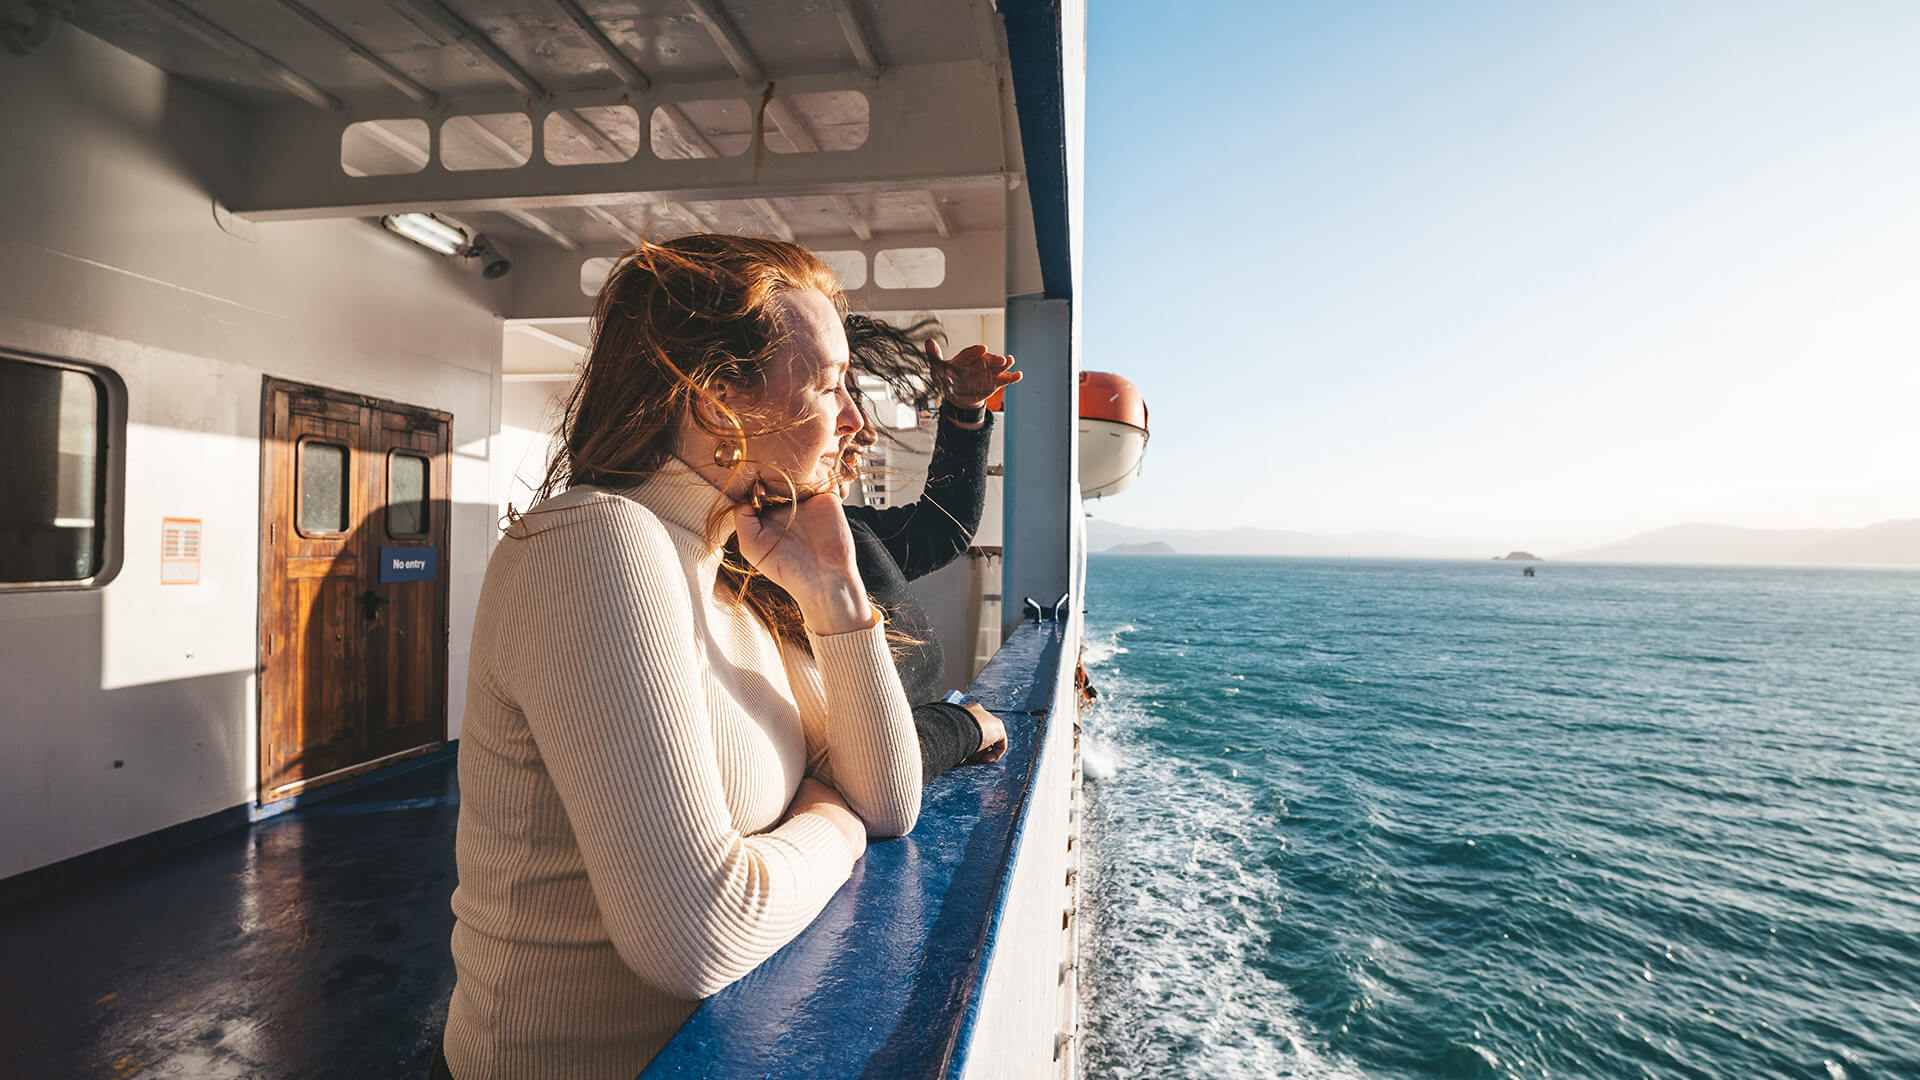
{"x": 428, "y": 231}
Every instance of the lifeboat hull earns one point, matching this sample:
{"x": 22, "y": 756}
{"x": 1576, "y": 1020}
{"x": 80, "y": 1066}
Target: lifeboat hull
{"x": 1110, "y": 455}
{"x": 1113, "y": 433}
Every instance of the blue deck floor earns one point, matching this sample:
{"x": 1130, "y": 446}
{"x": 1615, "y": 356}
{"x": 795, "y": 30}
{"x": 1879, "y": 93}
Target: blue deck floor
{"x": 313, "y": 944}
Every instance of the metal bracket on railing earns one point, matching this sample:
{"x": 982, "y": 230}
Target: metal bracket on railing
{"x": 1056, "y": 613}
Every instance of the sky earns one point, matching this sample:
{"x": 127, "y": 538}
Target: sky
{"x": 1528, "y": 273}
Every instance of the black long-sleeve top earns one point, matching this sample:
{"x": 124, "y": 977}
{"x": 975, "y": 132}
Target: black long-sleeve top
{"x": 895, "y": 545}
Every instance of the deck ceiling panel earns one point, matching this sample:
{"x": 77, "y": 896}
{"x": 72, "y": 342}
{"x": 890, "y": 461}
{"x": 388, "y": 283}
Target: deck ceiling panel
{"x": 929, "y": 125}
{"x": 885, "y": 125}
{"x": 140, "y": 28}
{"x": 666, "y": 39}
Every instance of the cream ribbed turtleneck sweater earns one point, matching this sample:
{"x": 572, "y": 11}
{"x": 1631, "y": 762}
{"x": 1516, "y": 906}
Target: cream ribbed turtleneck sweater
{"x": 630, "y": 744}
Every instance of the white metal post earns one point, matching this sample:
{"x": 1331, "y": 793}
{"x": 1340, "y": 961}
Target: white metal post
{"x": 1042, "y": 492}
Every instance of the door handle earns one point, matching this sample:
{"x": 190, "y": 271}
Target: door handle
{"x": 370, "y": 604}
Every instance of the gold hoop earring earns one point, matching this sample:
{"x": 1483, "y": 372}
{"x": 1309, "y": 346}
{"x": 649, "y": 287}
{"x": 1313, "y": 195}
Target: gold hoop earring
{"x": 729, "y": 455}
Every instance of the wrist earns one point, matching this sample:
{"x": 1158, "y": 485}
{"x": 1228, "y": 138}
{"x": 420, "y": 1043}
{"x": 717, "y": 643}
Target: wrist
{"x": 838, "y": 606}
{"x": 964, "y": 414}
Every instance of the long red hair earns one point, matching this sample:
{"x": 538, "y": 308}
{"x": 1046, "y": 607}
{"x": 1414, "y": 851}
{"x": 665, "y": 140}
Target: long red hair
{"x": 671, "y": 321}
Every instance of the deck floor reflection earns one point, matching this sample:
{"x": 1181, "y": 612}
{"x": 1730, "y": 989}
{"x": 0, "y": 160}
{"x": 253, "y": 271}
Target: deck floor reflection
{"x": 313, "y": 944}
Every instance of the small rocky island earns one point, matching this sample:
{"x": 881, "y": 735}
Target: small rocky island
{"x": 1518, "y": 556}
{"x": 1151, "y": 547}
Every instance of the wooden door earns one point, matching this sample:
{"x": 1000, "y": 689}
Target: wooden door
{"x": 404, "y": 616}
{"x": 353, "y": 649}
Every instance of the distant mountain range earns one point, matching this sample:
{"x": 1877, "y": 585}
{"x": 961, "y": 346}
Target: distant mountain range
{"x": 1890, "y": 543}
{"x": 1105, "y": 535}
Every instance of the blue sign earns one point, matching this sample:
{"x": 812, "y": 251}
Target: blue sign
{"x": 414, "y": 563}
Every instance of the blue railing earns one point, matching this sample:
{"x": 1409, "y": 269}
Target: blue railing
{"x": 887, "y": 981}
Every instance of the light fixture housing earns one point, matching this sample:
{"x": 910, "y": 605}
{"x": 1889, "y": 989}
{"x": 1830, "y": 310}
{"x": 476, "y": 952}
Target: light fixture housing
{"x": 428, "y": 231}
{"x": 495, "y": 261}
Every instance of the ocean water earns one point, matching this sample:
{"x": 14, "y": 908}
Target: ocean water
{"x": 1435, "y": 819}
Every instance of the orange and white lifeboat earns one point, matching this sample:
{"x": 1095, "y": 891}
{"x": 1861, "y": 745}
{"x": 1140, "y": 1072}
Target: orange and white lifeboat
{"x": 1113, "y": 433}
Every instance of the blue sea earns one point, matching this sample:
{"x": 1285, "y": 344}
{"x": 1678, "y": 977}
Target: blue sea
{"x": 1436, "y": 819}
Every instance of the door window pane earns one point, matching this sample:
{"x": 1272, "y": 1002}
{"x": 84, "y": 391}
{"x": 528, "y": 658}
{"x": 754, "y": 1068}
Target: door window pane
{"x": 51, "y": 420}
{"x": 323, "y": 488}
{"x": 407, "y": 496}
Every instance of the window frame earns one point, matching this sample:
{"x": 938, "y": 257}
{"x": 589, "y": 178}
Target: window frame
{"x": 300, "y": 480}
{"x": 426, "y": 501}
{"x": 109, "y": 473}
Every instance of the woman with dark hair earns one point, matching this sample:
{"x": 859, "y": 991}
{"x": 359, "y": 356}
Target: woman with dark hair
{"x": 896, "y": 545}
{"x": 683, "y": 718}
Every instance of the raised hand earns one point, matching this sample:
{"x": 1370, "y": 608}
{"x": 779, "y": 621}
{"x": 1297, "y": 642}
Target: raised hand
{"x": 975, "y": 373}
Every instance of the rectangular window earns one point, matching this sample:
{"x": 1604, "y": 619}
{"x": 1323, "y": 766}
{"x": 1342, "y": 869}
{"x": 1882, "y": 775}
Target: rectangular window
{"x": 406, "y": 495}
{"x": 323, "y": 488}
{"x": 58, "y": 422}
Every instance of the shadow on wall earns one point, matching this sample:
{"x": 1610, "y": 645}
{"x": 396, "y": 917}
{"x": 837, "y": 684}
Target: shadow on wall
{"x": 82, "y": 767}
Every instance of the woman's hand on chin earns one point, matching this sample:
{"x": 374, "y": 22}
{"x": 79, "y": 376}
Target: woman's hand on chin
{"x": 806, "y": 548}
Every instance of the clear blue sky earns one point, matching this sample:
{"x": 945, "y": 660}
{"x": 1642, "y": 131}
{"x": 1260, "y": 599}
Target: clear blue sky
{"x": 1529, "y": 272}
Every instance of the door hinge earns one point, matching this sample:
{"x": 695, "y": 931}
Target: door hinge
{"x": 273, "y": 532}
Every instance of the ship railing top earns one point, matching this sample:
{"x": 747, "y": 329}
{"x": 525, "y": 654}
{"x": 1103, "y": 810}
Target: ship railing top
{"x": 887, "y": 981}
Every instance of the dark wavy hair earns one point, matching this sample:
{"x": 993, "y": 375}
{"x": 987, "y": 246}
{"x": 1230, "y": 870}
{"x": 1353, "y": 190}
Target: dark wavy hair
{"x": 896, "y": 355}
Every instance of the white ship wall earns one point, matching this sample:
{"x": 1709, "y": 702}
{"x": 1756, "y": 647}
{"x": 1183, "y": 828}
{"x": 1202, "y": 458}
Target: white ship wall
{"x": 111, "y": 252}
{"x": 529, "y": 420}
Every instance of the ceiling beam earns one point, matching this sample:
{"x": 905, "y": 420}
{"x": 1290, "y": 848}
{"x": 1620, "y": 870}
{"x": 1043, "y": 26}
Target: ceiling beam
{"x": 855, "y": 220}
{"x": 686, "y": 216}
{"x": 478, "y": 44}
{"x": 774, "y": 219}
{"x": 687, "y": 133}
{"x": 628, "y": 234}
{"x": 794, "y": 127}
{"x": 930, "y": 203}
{"x": 544, "y": 227}
{"x": 415, "y": 154}
{"x": 540, "y": 333}
{"x": 200, "y": 27}
{"x": 393, "y": 75}
{"x": 591, "y": 132}
{"x": 859, "y": 38}
{"x": 728, "y": 40}
{"x": 622, "y": 64}
{"x": 546, "y": 282}
{"x": 510, "y": 155}
{"x": 948, "y": 140}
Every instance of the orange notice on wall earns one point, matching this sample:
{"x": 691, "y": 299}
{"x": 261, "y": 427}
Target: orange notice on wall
{"x": 179, "y": 551}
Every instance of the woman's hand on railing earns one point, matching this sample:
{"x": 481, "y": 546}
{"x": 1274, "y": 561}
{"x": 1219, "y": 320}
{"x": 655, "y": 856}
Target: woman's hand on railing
{"x": 814, "y": 797}
{"x": 806, "y": 548}
{"x": 993, "y": 735}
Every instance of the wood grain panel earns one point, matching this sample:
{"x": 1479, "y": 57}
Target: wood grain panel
{"x": 352, "y": 670}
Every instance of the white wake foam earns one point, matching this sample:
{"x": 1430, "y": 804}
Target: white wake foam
{"x": 1177, "y": 905}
